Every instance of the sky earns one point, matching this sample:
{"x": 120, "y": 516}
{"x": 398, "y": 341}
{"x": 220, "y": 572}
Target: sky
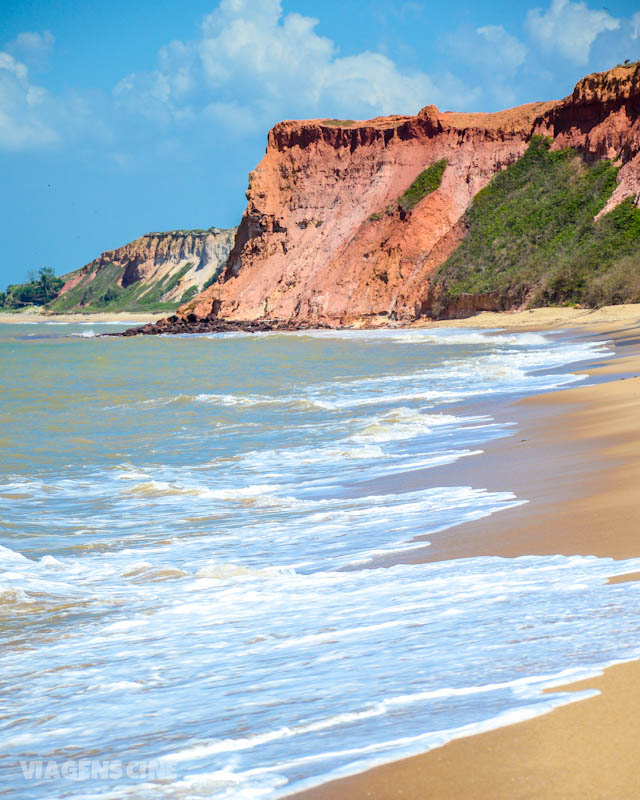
{"x": 122, "y": 117}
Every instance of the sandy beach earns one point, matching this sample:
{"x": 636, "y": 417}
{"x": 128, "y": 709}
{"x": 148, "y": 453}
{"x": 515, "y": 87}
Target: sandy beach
{"x": 550, "y": 318}
{"x": 595, "y": 320}
{"x": 106, "y": 316}
{"x": 576, "y": 457}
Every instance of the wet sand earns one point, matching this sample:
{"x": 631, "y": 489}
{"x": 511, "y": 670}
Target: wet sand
{"x": 576, "y": 457}
{"x": 584, "y": 751}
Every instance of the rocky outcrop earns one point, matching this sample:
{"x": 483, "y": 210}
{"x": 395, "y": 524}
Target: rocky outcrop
{"x": 324, "y": 238}
{"x": 211, "y": 324}
{"x": 156, "y": 268}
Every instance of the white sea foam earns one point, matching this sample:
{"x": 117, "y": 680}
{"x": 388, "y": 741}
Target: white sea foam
{"x": 12, "y": 597}
{"x": 370, "y": 756}
{"x": 202, "y": 575}
{"x": 401, "y": 423}
{"x": 10, "y": 558}
{"x": 503, "y": 363}
{"x": 441, "y": 336}
{"x": 242, "y": 616}
{"x": 152, "y": 402}
{"x": 234, "y": 400}
{"x": 329, "y": 619}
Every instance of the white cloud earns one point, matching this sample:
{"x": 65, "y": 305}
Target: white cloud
{"x": 491, "y": 57}
{"x": 233, "y": 117}
{"x": 23, "y": 108}
{"x": 507, "y": 50}
{"x": 250, "y": 66}
{"x": 152, "y": 95}
{"x": 568, "y": 28}
{"x": 32, "y": 118}
{"x": 253, "y": 65}
{"x": 32, "y": 48}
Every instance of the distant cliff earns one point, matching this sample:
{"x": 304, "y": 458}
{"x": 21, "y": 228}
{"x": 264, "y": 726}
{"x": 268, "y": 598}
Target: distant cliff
{"x": 348, "y": 220}
{"x": 158, "y": 271}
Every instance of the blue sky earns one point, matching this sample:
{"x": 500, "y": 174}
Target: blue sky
{"x": 118, "y": 118}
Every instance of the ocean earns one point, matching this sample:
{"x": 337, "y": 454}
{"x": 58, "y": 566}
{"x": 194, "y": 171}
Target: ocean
{"x": 208, "y": 588}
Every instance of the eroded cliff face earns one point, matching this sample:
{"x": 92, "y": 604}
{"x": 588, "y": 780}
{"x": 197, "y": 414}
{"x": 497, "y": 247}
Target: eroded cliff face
{"x": 602, "y": 118}
{"x": 324, "y": 239}
{"x": 157, "y": 267}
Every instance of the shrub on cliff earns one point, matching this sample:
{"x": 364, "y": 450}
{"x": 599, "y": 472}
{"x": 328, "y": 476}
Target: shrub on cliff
{"x": 189, "y": 294}
{"x": 603, "y": 266}
{"x": 426, "y": 182}
{"x": 532, "y": 236}
{"x": 618, "y": 284}
{"x": 40, "y": 289}
{"x": 339, "y": 123}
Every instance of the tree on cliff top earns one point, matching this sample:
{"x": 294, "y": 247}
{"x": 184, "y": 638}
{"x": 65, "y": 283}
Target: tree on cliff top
{"x": 40, "y": 289}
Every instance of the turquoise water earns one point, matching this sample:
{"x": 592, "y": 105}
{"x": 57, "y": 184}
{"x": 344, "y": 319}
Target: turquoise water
{"x": 190, "y": 548}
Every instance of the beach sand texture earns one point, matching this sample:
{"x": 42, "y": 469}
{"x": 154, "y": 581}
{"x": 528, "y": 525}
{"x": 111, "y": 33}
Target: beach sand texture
{"x": 576, "y": 456}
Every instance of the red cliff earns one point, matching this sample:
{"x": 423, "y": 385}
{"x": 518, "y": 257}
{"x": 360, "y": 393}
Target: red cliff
{"x": 324, "y": 239}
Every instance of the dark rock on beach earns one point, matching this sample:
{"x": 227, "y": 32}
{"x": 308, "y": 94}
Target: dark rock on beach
{"x": 212, "y": 324}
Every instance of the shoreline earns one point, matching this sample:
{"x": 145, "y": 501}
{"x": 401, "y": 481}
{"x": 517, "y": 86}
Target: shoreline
{"x": 547, "y": 318}
{"x": 586, "y": 504}
{"x": 561, "y": 754}
{"x": 100, "y": 316}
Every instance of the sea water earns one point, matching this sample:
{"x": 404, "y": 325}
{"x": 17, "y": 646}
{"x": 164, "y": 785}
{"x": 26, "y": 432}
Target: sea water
{"x": 191, "y": 598}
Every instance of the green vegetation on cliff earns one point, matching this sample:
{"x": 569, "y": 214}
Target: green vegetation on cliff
{"x": 339, "y": 123}
{"x": 189, "y": 294}
{"x": 39, "y": 290}
{"x": 147, "y": 275}
{"x": 532, "y": 236}
{"x": 426, "y": 182}
{"x": 103, "y": 292}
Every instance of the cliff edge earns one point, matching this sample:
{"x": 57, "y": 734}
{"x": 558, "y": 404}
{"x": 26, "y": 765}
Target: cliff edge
{"x": 339, "y": 226}
{"x": 156, "y": 271}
